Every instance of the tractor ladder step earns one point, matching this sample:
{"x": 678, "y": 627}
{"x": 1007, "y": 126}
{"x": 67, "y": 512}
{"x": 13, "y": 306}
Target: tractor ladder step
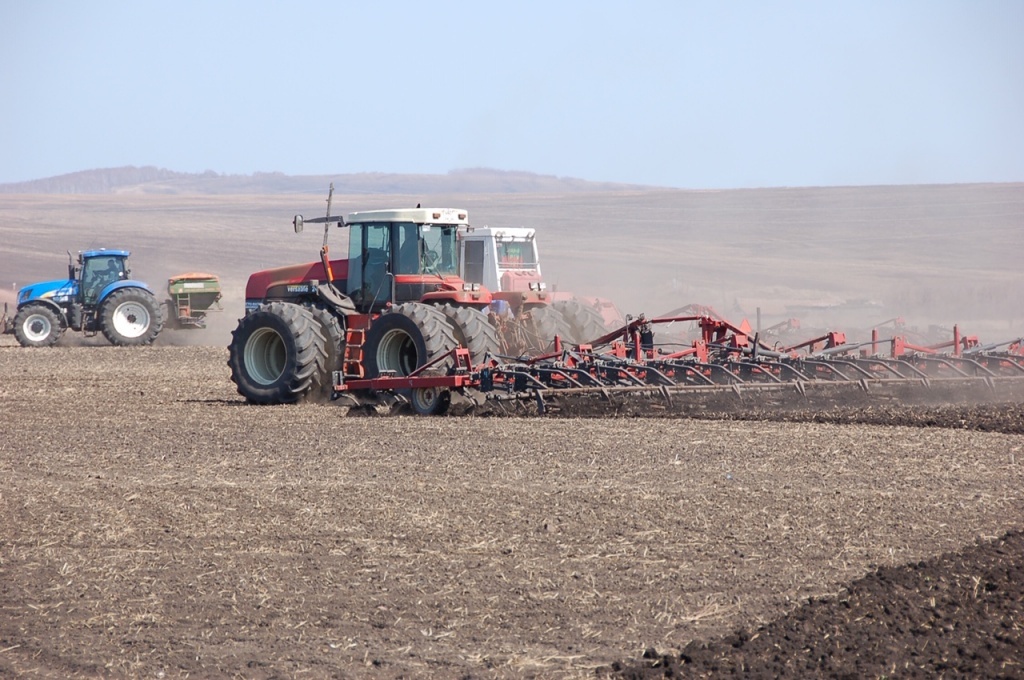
{"x": 352, "y": 360}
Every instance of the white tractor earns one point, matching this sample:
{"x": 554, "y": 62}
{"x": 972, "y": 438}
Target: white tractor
{"x": 506, "y": 261}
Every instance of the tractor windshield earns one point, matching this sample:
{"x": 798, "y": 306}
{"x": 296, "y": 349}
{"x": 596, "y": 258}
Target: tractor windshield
{"x": 98, "y": 273}
{"x": 438, "y": 249}
{"x": 516, "y": 255}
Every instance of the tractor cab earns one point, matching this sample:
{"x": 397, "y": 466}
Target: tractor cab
{"x": 501, "y": 259}
{"x": 394, "y": 256}
{"x": 401, "y": 255}
{"x": 97, "y": 269}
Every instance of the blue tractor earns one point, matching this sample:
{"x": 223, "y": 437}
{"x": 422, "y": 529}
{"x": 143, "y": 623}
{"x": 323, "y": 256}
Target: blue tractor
{"x": 98, "y": 296}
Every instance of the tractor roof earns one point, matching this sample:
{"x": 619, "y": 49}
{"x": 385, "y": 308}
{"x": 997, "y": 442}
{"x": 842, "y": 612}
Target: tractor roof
{"x": 416, "y": 215}
{"x": 502, "y": 233}
{"x": 86, "y": 254}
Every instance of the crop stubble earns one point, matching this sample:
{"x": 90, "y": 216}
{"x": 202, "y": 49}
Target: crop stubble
{"x": 154, "y": 523}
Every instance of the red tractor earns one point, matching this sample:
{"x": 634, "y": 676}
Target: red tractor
{"x": 395, "y": 303}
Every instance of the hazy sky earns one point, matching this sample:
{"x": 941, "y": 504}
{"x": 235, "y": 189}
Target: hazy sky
{"x": 682, "y": 94}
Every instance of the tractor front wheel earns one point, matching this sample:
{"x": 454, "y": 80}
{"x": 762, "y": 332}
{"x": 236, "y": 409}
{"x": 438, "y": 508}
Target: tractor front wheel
{"x": 334, "y": 344}
{"x": 277, "y": 354}
{"x": 131, "y": 316}
{"x": 37, "y": 326}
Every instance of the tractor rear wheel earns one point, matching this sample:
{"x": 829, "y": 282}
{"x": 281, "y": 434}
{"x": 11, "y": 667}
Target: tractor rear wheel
{"x": 406, "y": 337}
{"x": 131, "y": 316}
{"x": 586, "y": 322}
{"x": 544, "y": 324}
{"x": 473, "y": 331}
{"x": 276, "y": 353}
{"x": 37, "y": 326}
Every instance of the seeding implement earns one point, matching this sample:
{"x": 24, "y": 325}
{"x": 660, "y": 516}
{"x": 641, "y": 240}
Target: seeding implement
{"x": 192, "y": 296}
{"x": 405, "y": 321}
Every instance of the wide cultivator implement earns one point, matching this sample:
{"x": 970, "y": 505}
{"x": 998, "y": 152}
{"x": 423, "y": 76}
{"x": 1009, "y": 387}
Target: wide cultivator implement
{"x": 726, "y": 361}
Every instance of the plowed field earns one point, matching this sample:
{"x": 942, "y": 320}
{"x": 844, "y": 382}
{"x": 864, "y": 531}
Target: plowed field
{"x": 154, "y": 525}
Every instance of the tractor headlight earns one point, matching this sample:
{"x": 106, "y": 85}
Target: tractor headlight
{"x": 538, "y": 285}
{"x": 24, "y": 295}
{"x": 470, "y": 287}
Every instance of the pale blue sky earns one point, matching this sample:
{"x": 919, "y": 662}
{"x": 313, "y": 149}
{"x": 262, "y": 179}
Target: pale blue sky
{"x": 681, "y": 94}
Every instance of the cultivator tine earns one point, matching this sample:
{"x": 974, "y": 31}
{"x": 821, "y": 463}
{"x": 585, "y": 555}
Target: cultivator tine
{"x": 541, "y": 405}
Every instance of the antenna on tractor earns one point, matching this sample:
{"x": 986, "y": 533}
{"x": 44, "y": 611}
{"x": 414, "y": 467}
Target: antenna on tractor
{"x": 327, "y": 222}
{"x": 324, "y": 259}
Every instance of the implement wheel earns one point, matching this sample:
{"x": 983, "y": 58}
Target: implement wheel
{"x": 430, "y": 401}
{"x": 406, "y": 337}
{"x": 37, "y": 326}
{"x": 131, "y": 316}
{"x": 276, "y": 354}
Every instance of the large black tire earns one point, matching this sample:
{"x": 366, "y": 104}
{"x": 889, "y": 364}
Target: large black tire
{"x": 406, "y": 337}
{"x": 276, "y": 354}
{"x": 543, "y": 324}
{"x": 473, "y": 331}
{"x": 37, "y": 326}
{"x": 586, "y": 322}
{"x": 334, "y": 347}
{"x": 131, "y": 316}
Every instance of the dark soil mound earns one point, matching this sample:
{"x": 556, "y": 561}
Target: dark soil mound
{"x": 954, "y": 615}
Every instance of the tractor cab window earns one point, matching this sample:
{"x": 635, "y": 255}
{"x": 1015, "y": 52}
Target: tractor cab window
{"x": 98, "y": 273}
{"x": 407, "y": 257}
{"x": 439, "y": 249}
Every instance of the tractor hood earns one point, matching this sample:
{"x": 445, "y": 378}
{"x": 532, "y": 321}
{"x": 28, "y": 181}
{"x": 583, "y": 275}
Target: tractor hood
{"x": 58, "y": 290}
{"x": 296, "y": 275}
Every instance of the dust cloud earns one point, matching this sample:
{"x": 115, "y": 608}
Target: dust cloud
{"x": 833, "y": 258}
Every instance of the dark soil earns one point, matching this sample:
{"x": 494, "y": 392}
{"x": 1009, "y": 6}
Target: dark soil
{"x": 957, "y": 615}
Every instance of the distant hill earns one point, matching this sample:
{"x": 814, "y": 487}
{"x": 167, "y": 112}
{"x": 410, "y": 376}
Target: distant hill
{"x": 152, "y": 180}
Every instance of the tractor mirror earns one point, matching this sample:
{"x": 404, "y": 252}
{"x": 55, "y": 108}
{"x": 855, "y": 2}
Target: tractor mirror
{"x": 297, "y": 223}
